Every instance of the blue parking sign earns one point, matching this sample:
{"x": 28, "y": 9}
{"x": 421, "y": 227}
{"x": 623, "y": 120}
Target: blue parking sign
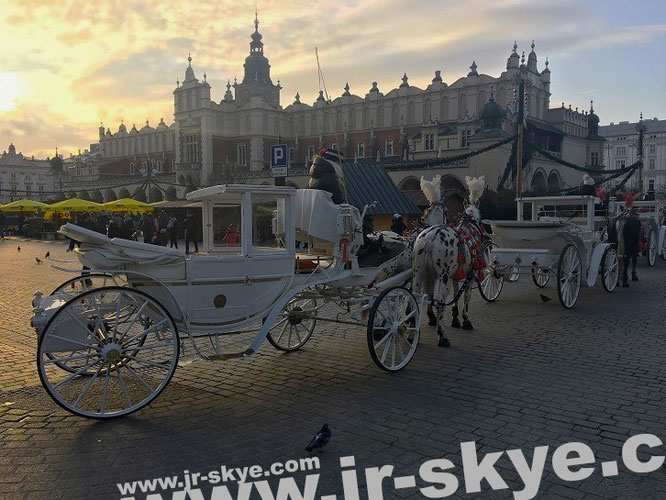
{"x": 279, "y": 155}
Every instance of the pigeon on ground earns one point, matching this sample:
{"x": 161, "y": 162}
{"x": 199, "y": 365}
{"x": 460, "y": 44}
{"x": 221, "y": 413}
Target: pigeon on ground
{"x": 18, "y": 248}
{"x": 48, "y": 254}
{"x": 544, "y": 298}
{"x": 320, "y": 439}
{"x": 38, "y": 260}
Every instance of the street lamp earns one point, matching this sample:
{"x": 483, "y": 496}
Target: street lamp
{"x": 640, "y": 128}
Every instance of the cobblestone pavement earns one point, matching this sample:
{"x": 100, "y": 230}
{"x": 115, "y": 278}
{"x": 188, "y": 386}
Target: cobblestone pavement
{"x": 530, "y": 374}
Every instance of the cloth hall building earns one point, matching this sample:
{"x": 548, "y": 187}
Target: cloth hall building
{"x": 229, "y": 140}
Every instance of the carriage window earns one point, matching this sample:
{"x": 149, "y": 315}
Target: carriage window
{"x": 267, "y": 222}
{"x": 227, "y": 226}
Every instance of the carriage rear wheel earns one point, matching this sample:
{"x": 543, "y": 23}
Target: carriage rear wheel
{"x": 569, "y": 276}
{"x": 541, "y": 277}
{"x": 610, "y": 269}
{"x": 651, "y": 248}
{"x": 126, "y": 344}
{"x": 393, "y": 329}
{"x": 295, "y": 325}
{"x": 493, "y": 279}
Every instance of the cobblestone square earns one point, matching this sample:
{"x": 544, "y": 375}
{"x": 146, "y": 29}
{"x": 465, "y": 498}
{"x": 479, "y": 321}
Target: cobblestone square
{"x": 530, "y": 374}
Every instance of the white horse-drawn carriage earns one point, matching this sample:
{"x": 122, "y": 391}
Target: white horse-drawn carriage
{"x": 653, "y": 227}
{"x": 110, "y": 338}
{"x": 556, "y": 236}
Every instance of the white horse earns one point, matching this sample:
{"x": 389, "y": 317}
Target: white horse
{"x": 434, "y": 215}
{"x": 441, "y": 261}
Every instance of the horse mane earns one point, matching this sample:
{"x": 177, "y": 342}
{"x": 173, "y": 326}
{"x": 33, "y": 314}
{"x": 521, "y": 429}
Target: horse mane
{"x": 432, "y": 189}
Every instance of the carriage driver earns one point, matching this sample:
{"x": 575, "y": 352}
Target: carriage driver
{"x": 326, "y": 174}
{"x": 631, "y": 234}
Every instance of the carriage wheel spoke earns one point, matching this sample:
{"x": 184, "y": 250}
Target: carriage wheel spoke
{"x": 382, "y": 340}
{"x": 284, "y": 327}
{"x": 87, "y": 386}
{"x": 146, "y": 347}
{"x": 115, "y": 323}
{"x": 85, "y": 327}
{"x": 70, "y": 358}
{"x": 148, "y": 362}
{"x": 102, "y": 405}
{"x": 78, "y": 372}
{"x": 122, "y": 385}
{"x": 136, "y": 316}
{"x": 144, "y": 333}
{"x": 136, "y": 375}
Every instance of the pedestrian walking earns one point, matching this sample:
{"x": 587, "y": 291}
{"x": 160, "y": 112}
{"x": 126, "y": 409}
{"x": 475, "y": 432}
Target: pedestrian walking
{"x": 190, "y": 232}
{"x": 148, "y": 227}
{"x": 172, "y": 228}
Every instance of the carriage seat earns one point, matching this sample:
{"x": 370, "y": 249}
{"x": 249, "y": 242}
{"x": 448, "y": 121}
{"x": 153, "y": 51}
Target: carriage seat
{"x": 114, "y": 251}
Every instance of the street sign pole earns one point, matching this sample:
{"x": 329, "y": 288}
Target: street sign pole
{"x": 279, "y": 163}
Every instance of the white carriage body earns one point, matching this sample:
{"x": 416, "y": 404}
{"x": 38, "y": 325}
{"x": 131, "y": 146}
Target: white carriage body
{"x": 535, "y": 243}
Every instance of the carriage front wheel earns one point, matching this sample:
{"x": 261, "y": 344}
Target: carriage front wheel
{"x": 393, "y": 329}
{"x": 493, "y": 279}
{"x": 126, "y": 347}
{"x": 569, "y": 276}
{"x": 541, "y": 277}
{"x": 295, "y": 325}
{"x": 651, "y": 248}
{"x": 610, "y": 269}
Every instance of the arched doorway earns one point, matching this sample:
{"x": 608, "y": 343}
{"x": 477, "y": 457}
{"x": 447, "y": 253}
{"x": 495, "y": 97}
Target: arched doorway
{"x": 411, "y": 187}
{"x": 124, "y": 193}
{"x": 139, "y": 194}
{"x": 554, "y": 181}
{"x": 110, "y": 195}
{"x": 84, "y": 195}
{"x": 171, "y": 193}
{"x": 96, "y": 196}
{"x": 455, "y": 194}
{"x": 156, "y": 194}
{"x": 539, "y": 185}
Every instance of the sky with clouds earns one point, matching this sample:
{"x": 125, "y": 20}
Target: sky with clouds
{"x": 68, "y": 64}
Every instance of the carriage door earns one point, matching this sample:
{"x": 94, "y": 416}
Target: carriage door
{"x": 269, "y": 238}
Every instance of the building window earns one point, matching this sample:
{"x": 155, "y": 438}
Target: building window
{"x": 310, "y": 152}
{"x": 13, "y": 175}
{"x": 652, "y": 148}
{"x": 191, "y": 150}
{"x": 466, "y": 134}
{"x": 361, "y": 149}
{"x": 594, "y": 159}
{"x": 388, "y": 151}
{"x": 621, "y": 163}
{"x": 651, "y": 185}
{"x": 652, "y": 163}
{"x": 41, "y": 190}
{"x": 241, "y": 154}
{"x": 28, "y": 190}
{"x": 132, "y": 168}
{"x": 621, "y": 150}
{"x": 429, "y": 142}
{"x": 13, "y": 189}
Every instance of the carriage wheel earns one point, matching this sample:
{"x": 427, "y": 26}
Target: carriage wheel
{"x": 295, "y": 325}
{"x": 663, "y": 249}
{"x": 569, "y": 275}
{"x": 651, "y": 248}
{"x": 85, "y": 282}
{"x": 393, "y": 329}
{"x": 610, "y": 269}
{"x": 513, "y": 275}
{"x": 541, "y": 277}
{"x": 126, "y": 344}
{"x": 493, "y": 280}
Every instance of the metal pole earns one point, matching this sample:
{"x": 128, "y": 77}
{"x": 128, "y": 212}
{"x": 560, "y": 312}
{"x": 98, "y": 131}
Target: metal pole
{"x": 280, "y": 181}
{"x": 641, "y": 131}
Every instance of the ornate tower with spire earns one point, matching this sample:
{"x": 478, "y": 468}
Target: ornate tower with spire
{"x": 257, "y": 75}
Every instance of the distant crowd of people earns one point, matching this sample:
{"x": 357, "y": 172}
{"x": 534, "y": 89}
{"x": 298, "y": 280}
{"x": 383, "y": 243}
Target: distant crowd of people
{"x": 162, "y": 230}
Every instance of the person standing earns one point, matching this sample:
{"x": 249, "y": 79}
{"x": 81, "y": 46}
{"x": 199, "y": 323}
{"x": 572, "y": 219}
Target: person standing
{"x": 172, "y": 227}
{"x": 148, "y": 227}
{"x": 631, "y": 234}
{"x": 398, "y": 226}
{"x": 190, "y": 233}
{"x": 162, "y": 230}
{"x": 116, "y": 229}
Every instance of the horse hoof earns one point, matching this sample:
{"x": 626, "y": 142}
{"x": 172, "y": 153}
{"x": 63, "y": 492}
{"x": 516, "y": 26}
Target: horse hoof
{"x": 444, "y": 342}
{"x": 467, "y": 325}
{"x": 455, "y": 323}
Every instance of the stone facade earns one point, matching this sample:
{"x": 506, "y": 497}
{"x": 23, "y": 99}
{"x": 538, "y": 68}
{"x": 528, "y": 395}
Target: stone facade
{"x": 23, "y": 177}
{"x": 621, "y": 149}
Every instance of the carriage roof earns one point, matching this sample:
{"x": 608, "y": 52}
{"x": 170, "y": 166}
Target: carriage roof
{"x": 226, "y": 190}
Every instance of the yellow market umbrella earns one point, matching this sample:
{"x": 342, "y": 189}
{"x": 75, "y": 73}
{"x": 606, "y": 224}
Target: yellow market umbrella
{"x": 75, "y": 205}
{"x": 127, "y": 205}
{"x": 24, "y": 206}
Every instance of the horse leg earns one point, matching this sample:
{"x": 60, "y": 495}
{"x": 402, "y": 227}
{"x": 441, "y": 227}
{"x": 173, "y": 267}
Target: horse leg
{"x": 432, "y": 317}
{"x": 467, "y": 324}
{"x": 440, "y": 299}
{"x": 455, "y": 322}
